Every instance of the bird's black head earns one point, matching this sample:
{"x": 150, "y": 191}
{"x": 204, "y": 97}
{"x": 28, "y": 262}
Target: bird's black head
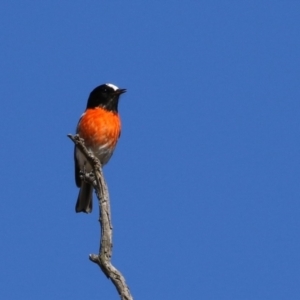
{"x": 106, "y": 96}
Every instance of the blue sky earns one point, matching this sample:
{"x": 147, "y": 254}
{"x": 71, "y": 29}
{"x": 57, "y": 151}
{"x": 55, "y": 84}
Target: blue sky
{"x": 204, "y": 182}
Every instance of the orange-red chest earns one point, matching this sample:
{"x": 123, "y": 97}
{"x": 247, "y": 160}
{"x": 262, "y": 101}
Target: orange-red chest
{"x": 99, "y": 127}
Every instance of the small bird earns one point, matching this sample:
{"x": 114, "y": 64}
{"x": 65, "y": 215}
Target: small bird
{"x": 100, "y": 127}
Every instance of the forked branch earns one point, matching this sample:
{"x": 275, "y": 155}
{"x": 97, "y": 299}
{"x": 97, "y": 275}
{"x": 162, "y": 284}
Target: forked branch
{"x": 102, "y": 259}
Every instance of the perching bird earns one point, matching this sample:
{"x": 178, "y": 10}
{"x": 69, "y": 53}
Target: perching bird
{"x": 100, "y": 127}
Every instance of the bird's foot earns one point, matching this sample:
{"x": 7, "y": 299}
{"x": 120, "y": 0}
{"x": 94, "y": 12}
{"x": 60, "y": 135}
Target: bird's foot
{"x": 88, "y": 177}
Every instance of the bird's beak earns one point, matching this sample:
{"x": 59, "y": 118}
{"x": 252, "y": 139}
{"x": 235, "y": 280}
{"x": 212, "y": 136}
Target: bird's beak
{"x": 120, "y": 91}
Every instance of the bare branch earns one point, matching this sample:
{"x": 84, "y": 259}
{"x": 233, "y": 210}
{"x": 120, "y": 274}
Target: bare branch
{"x": 105, "y": 252}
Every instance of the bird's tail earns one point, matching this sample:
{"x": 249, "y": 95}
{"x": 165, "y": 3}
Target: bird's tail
{"x": 85, "y": 198}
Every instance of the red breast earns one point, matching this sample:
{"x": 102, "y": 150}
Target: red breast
{"x": 100, "y": 127}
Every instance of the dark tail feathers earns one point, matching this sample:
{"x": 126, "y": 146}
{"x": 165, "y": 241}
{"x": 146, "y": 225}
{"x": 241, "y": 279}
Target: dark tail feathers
{"x": 85, "y": 199}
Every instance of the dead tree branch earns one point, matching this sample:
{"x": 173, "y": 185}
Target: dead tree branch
{"x": 105, "y": 252}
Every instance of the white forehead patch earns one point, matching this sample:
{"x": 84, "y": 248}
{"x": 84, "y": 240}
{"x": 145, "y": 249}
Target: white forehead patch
{"x": 112, "y": 86}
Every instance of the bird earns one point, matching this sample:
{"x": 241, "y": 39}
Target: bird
{"x": 100, "y": 127}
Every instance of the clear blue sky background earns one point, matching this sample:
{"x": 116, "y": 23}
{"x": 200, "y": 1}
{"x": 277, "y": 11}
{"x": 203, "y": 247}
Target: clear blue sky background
{"x": 204, "y": 182}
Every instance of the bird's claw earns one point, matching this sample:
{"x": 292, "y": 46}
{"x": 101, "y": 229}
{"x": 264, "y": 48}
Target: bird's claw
{"x": 88, "y": 177}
